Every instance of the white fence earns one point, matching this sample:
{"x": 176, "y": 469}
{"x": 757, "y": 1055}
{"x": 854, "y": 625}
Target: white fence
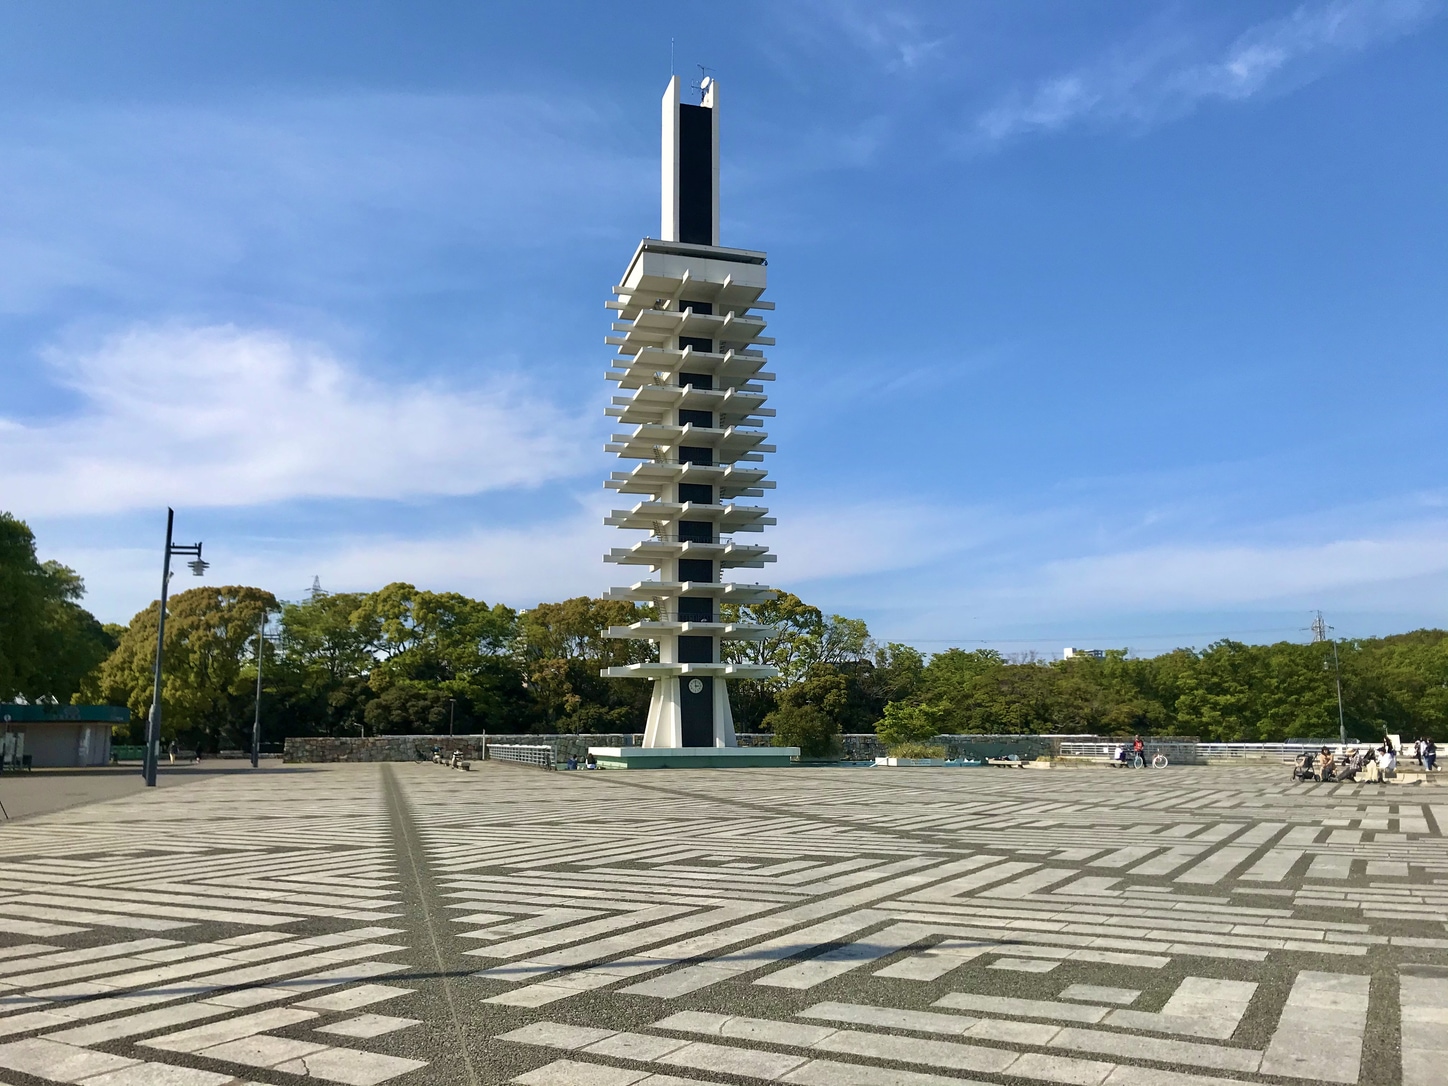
{"x": 523, "y": 754}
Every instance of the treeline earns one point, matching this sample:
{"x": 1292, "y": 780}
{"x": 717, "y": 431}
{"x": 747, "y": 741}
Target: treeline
{"x": 48, "y": 642}
{"x": 404, "y": 660}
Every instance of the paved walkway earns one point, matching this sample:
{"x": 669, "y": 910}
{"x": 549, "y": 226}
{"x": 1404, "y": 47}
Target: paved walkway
{"x": 412, "y": 924}
{"x": 41, "y": 791}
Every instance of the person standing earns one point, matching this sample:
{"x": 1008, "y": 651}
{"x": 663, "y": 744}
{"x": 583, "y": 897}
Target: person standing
{"x": 1138, "y": 750}
{"x": 172, "y": 752}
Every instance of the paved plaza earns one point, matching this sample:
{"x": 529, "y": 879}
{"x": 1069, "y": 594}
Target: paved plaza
{"x": 412, "y": 924}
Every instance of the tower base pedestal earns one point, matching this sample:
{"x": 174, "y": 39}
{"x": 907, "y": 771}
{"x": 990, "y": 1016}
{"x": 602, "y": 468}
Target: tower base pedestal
{"x": 692, "y": 757}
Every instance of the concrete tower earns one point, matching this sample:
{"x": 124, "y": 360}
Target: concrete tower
{"x": 690, "y": 368}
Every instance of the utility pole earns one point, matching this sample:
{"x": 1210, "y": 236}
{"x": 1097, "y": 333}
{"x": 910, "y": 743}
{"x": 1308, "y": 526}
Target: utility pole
{"x": 1319, "y": 629}
{"x": 153, "y": 721}
{"x": 256, "y": 721}
{"x": 451, "y": 704}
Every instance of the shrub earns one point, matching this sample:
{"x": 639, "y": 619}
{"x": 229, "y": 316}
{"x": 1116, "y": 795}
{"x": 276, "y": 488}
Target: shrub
{"x": 806, "y": 727}
{"x": 908, "y": 723}
{"x": 916, "y": 750}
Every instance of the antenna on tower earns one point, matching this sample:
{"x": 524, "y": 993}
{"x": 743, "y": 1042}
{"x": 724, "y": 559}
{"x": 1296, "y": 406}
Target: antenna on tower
{"x": 1319, "y": 628}
{"x": 671, "y": 56}
{"x": 703, "y": 78}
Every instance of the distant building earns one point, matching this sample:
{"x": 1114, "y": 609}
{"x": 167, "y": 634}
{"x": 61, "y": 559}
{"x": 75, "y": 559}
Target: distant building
{"x": 59, "y": 735}
{"x": 1098, "y": 654}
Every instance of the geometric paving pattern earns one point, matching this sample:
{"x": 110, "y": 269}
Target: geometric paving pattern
{"x": 199, "y": 934}
{"x": 864, "y": 927}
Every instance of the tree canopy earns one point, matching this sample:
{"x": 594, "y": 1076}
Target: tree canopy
{"x": 406, "y": 660}
{"x": 48, "y": 642}
{"x": 205, "y": 684}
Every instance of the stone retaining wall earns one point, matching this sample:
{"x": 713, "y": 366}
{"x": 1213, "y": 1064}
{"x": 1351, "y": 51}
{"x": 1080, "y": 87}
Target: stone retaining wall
{"x": 408, "y": 748}
{"x": 865, "y": 747}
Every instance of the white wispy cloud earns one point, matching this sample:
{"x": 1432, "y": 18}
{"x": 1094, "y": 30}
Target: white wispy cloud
{"x": 892, "y": 37}
{"x": 223, "y": 416}
{"x": 547, "y": 559}
{"x": 899, "y": 39}
{"x": 1162, "y": 79}
{"x": 1168, "y": 578}
{"x": 916, "y": 571}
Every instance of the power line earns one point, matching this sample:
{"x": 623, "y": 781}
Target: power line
{"x": 1092, "y": 637}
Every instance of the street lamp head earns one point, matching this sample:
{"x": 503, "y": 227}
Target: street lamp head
{"x": 198, "y": 567}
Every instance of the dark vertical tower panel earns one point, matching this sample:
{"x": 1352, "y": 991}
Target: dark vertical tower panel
{"x": 696, "y": 711}
{"x": 696, "y": 174}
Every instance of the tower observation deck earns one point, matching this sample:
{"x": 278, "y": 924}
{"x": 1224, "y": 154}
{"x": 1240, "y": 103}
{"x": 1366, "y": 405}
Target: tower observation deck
{"x": 690, "y": 367}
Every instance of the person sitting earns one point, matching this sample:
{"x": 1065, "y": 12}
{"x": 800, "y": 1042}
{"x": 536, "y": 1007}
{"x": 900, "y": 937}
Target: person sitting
{"x": 1371, "y": 773}
{"x": 1387, "y": 761}
{"x": 1325, "y": 765}
{"x": 1118, "y": 756}
{"x": 1302, "y": 767}
{"x": 591, "y": 762}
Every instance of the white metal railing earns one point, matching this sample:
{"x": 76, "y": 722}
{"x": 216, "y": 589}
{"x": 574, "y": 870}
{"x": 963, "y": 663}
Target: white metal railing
{"x": 521, "y": 753}
{"x": 1191, "y": 752}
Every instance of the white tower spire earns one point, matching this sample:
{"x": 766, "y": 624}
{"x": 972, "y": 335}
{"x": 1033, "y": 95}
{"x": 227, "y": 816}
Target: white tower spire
{"x": 690, "y": 135}
{"x": 691, "y": 372}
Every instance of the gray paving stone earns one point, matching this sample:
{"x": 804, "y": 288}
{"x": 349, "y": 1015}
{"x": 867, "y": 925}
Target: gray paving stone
{"x": 1024, "y": 965}
{"x": 1183, "y": 928}
{"x": 368, "y": 1025}
{"x": 1096, "y": 993}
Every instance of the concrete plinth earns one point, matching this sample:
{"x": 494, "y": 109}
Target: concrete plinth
{"x": 692, "y": 757}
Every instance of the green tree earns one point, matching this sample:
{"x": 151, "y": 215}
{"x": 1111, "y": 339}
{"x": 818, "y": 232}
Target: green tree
{"x": 562, "y": 647}
{"x": 317, "y": 683}
{"x": 207, "y": 678}
{"x": 48, "y": 642}
{"x": 805, "y": 726}
{"x": 904, "y": 723}
{"x": 801, "y": 641}
{"x": 448, "y": 645}
{"x": 1102, "y": 696}
{"x": 980, "y": 693}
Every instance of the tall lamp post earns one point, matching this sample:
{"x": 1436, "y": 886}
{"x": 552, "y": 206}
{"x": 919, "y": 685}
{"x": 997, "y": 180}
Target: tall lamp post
{"x": 256, "y": 720}
{"x": 153, "y": 722}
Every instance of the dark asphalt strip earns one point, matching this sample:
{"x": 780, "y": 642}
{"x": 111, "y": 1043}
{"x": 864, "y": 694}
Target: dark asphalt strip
{"x": 410, "y": 850}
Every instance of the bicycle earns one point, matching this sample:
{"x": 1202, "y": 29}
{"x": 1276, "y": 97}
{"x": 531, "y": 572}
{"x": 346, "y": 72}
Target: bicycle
{"x": 1158, "y": 761}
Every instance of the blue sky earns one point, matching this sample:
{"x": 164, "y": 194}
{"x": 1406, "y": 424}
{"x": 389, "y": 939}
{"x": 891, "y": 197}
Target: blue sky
{"x": 1099, "y": 323}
